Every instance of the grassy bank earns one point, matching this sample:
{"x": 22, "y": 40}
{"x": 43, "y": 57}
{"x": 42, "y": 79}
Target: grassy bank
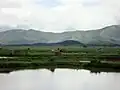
{"x": 93, "y": 67}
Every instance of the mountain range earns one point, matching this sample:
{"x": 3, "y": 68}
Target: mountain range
{"x": 109, "y": 35}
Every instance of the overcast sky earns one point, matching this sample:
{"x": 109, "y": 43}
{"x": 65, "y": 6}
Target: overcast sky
{"x": 59, "y": 15}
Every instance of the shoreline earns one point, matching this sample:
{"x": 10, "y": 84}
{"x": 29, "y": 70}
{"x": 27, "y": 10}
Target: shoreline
{"x": 94, "y": 67}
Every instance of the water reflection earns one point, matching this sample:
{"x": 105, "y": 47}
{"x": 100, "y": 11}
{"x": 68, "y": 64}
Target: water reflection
{"x": 52, "y": 69}
{"x": 60, "y": 79}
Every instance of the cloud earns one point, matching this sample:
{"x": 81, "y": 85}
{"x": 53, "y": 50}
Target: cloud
{"x": 47, "y": 3}
{"x": 59, "y": 15}
{"x": 9, "y": 4}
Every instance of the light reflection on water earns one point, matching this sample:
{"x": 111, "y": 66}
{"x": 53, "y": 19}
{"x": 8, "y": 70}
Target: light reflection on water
{"x": 60, "y": 79}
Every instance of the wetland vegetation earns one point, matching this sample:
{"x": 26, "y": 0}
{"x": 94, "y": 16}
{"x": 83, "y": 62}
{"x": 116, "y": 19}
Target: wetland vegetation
{"x": 30, "y": 57}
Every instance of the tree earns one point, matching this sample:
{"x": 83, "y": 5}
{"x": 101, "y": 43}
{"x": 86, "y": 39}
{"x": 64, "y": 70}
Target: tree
{"x": 27, "y": 51}
{"x": 118, "y": 51}
{"x": 85, "y": 46}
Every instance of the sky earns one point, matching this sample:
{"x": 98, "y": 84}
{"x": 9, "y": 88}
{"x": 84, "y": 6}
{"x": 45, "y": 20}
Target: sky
{"x": 59, "y": 15}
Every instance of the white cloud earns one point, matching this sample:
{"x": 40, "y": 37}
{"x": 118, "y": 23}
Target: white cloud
{"x": 77, "y": 14}
{"x": 9, "y": 4}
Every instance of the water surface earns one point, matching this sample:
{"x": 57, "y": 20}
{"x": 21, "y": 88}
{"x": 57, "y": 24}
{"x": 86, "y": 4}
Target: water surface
{"x": 60, "y": 79}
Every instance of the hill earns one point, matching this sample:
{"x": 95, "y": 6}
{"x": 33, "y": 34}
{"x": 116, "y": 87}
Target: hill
{"x": 105, "y": 36}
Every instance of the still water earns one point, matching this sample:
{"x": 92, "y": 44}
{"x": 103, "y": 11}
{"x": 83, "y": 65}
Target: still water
{"x": 60, "y": 79}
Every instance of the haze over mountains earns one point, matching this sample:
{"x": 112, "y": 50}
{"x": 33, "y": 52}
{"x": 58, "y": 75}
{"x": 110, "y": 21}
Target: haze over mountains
{"x": 104, "y": 36}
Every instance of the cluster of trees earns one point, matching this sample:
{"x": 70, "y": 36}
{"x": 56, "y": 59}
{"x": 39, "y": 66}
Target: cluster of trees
{"x": 58, "y": 51}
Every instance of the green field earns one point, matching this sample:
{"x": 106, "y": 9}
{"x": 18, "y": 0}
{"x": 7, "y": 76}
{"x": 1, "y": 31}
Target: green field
{"x": 20, "y": 57}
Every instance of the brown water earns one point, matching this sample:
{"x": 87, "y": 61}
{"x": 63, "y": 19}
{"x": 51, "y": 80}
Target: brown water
{"x": 60, "y": 79}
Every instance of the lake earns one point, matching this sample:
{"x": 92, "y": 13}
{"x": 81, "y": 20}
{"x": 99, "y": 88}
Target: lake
{"x": 60, "y": 79}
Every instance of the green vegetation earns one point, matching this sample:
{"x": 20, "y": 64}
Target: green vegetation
{"x": 21, "y": 57}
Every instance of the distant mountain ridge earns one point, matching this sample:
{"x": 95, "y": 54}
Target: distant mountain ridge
{"x": 105, "y": 36}
{"x": 64, "y": 43}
